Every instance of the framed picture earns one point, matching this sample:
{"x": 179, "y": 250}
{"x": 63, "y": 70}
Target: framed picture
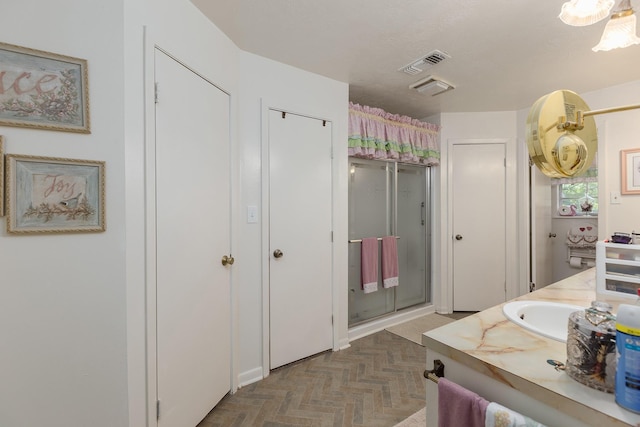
{"x": 53, "y": 195}
{"x": 630, "y": 162}
{"x": 1, "y": 175}
{"x": 43, "y": 90}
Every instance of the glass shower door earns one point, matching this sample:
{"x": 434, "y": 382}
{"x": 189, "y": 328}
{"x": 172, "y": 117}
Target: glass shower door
{"x": 386, "y": 198}
{"x": 411, "y": 227}
{"x": 370, "y": 215}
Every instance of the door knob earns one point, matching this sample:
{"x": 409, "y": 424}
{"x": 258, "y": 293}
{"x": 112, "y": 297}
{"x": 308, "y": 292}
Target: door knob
{"x": 458, "y": 237}
{"x": 227, "y": 260}
{"x": 552, "y": 235}
{"x": 277, "y": 253}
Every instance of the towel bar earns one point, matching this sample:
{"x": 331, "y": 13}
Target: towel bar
{"x": 436, "y": 373}
{"x": 360, "y": 240}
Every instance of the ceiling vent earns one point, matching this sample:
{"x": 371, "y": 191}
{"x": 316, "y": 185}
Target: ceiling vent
{"x": 430, "y": 59}
{"x": 431, "y": 85}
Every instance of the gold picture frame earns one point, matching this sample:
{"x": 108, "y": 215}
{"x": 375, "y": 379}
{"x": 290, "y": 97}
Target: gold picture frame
{"x": 43, "y": 90}
{"x": 1, "y": 175}
{"x": 630, "y": 171}
{"x": 54, "y": 195}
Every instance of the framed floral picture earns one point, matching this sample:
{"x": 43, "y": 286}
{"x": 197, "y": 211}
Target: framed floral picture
{"x": 630, "y": 167}
{"x": 1, "y": 175}
{"x": 43, "y": 90}
{"x": 54, "y": 195}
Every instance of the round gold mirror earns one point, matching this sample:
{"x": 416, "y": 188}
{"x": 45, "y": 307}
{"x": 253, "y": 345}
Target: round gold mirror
{"x": 556, "y": 151}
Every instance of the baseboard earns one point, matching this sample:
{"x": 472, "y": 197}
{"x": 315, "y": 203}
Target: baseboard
{"x": 385, "y": 322}
{"x": 250, "y": 377}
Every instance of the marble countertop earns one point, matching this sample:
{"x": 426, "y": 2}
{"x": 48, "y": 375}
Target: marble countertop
{"x": 491, "y": 344}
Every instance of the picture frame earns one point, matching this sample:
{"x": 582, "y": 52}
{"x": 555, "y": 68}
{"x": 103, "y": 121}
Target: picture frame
{"x": 1, "y": 175}
{"x": 43, "y": 90}
{"x": 54, "y": 195}
{"x": 630, "y": 171}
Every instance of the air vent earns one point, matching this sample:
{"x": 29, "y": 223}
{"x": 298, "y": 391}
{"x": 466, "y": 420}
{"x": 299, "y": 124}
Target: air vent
{"x": 431, "y": 85}
{"x": 430, "y": 59}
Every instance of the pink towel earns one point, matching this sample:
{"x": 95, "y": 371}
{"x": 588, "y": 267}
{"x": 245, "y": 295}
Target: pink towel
{"x": 369, "y": 264}
{"x": 458, "y": 406}
{"x": 389, "y": 261}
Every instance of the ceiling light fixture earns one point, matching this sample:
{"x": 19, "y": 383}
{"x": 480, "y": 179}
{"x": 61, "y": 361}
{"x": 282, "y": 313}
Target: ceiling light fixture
{"x": 585, "y": 12}
{"x": 620, "y": 30}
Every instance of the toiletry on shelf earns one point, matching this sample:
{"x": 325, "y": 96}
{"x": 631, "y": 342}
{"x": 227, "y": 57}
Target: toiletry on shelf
{"x": 591, "y": 347}
{"x": 617, "y": 270}
{"x": 627, "y": 388}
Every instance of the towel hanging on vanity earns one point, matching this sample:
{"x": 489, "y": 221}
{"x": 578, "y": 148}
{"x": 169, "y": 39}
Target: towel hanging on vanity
{"x": 369, "y": 264}
{"x": 499, "y": 416}
{"x": 458, "y": 406}
{"x": 389, "y": 261}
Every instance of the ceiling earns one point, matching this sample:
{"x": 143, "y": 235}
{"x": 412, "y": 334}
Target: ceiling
{"x": 505, "y": 54}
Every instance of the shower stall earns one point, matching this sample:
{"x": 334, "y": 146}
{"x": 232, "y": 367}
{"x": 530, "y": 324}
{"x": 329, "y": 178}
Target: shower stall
{"x": 389, "y": 198}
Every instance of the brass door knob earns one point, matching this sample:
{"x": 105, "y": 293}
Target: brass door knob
{"x": 227, "y": 260}
{"x": 277, "y": 253}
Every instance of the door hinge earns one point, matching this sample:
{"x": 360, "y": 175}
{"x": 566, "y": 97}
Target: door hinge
{"x": 505, "y": 162}
{"x": 332, "y": 319}
{"x": 332, "y": 237}
{"x": 157, "y": 409}
{"x": 155, "y": 92}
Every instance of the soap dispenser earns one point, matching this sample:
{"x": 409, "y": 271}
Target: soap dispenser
{"x": 591, "y": 347}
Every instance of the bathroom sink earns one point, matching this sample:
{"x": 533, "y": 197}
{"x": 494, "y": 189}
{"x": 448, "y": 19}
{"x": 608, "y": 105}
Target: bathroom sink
{"x": 545, "y": 318}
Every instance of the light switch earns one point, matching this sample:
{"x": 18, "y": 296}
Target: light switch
{"x": 252, "y": 214}
{"x": 615, "y": 198}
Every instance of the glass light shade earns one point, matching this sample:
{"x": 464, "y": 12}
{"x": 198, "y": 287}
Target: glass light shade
{"x": 570, "y": 154}
{"x": 619, "y": 32}
{"x": 585, "y": 12}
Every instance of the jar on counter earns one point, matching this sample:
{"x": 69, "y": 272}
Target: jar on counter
{"x": 591, "y": 347}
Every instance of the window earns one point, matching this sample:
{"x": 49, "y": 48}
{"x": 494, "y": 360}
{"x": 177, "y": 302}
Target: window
{"x": 583, "y": 196}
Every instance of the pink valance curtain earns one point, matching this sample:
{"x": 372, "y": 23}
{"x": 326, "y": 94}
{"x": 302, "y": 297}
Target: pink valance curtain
{"x": 376, "y": 134}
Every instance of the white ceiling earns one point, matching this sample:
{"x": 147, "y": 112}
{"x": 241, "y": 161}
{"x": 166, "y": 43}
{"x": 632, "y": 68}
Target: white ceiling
{"x": 505, "y": 54}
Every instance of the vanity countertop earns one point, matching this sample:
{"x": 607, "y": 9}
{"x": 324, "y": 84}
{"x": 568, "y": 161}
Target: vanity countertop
{"x": 491, "y": 344}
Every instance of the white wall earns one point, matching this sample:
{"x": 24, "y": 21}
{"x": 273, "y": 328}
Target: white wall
{"x": 63, "y": 357}
{"x": 180, "y": 29}
{"x": 474, "y": 126}
{"x": 617, "y": 131}
{"x": 263, "y": 84}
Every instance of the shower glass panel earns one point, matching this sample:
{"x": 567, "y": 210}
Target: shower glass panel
{"x": 387, "y": 198}
{"x": 411, "y": 227}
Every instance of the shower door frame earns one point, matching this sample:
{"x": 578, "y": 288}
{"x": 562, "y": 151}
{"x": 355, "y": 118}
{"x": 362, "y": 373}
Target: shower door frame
{"x": 393, "y": 228}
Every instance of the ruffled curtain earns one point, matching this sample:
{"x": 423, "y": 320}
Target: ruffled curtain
{"x": 376, "y": 134}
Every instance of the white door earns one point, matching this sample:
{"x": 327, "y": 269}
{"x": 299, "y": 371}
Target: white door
{"x": 542, "y": 237}
{"x": 300, "y": 229}
{"x": 192, "y": 235}
{"x": 479, "y": 228}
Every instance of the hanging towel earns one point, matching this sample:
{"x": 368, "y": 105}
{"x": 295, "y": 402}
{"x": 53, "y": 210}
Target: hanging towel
{"x": 389, "y": 261}
{"x": 458, "y": 406}
{"x": 499, "y": 416}
{"x": 369, "y": 264}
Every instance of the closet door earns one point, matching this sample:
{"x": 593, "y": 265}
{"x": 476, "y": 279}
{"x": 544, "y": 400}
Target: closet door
{"x": 299, "y": 237}
{"x": 479, "y": 225}
{"x": 192, "y": 234}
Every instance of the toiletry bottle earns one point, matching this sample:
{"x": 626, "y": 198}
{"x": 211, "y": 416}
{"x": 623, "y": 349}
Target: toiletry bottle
{"x": 628, "y": 354}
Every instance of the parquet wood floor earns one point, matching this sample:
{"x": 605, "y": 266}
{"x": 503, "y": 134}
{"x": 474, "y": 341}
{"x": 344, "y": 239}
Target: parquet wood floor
{"x": 377, "y": 382}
